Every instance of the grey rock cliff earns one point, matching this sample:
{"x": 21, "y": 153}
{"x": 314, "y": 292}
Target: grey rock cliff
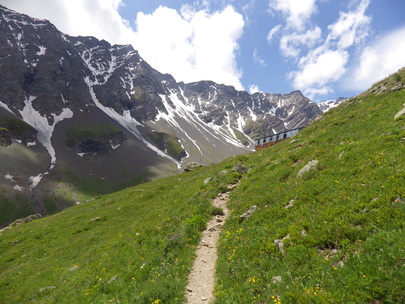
{"x": 51, "y": 82}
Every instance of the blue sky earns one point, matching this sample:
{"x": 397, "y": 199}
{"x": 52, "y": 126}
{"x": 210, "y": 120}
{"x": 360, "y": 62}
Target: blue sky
{"x": 325, "y": 48}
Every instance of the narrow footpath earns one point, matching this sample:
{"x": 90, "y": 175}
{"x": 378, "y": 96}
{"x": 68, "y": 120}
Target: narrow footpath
{"x": 200, "y": 287}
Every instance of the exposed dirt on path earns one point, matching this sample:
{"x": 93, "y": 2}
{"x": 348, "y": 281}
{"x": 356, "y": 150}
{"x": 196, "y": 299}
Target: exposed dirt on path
{"x": 200, "y": 287}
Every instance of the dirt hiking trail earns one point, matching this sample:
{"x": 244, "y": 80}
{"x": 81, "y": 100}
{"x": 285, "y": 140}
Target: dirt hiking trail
{"x": 200, "y": 287}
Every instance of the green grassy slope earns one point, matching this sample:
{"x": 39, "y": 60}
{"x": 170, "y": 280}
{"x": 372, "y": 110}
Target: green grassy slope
{"x": 344, "y": 238}
{"x": 133, "y": 246}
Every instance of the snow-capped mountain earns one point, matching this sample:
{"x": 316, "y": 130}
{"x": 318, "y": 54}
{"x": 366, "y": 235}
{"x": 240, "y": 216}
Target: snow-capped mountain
{"x": 326, "y": 105}
{"x": 78, "y": 106}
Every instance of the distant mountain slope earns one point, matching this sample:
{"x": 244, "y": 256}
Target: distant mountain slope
{"x": 330, "y": 104}
{"x": 328, "y": 225}
{"x": 73, "y": 91}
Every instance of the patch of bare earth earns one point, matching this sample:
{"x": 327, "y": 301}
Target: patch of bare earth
{"x": 200, "y": 287}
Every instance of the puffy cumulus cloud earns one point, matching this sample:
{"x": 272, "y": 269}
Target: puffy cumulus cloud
{"x": 378, "y": 60}
{"x": 318, "y": 70}
{"x": 167, "y": 33}
{"x": 352, "y": 27}
{"x": 291, "y": 44}
{"x": 326, "y": 63}
{"x": 296, "y": 12}
{"x": 97, "y": 18}
{"x": 295, "y": 32}
{"x": 43, "y": 9}
{"x": 192, "y": 44}
{"x": 321, "y": 58}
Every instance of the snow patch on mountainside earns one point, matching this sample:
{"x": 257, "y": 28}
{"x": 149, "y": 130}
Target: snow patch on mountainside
{"x": 42, "y": 50}
{"x": 11, "y": 178}
{"x": 228, "y": 125}
{"x": 101, "y": 69}
{"x": 170, "y": 118}
{"x": 5, "y": 107}
{"x": 21, "y": 46}
{"x": 241, "y": 123}
{"x": 41, "y": 124}
{"x": 18, "y": 188}
{"x": 326, "y": 105}
{"x": 252, "y": 114}
{"x": 127, "y": 121}
{"x": 186, "y": 111}
{"x": 36, "y": 179}
{"x": 221, "y": 133}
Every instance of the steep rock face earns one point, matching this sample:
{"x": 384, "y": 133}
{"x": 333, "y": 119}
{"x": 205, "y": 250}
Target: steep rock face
{"x": 57, "y": 75}
{"x": 38, "y": 60}
{"x": 253, "y": 115}
{"x": 95, "y": 143}
{"x": 119, "y": 77}
{"x": 52, "y": 82}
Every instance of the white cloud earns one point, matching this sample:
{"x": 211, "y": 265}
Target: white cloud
{"x": 297, "y": 12}
{"x": 378, "y": 60}
{"x": 191, "y": 45}
{"x": 318, "y": 70}
{"x": 257, "y": 59}
{"x": 291, "y": 44}
{"x": 326, "y": 63}
{"x": 254, "y": 89}
{"x": 164, "y": 32}
{"x": 273, "y": 32}
{"x": 248, "y": 10}
{"x": 97, "y": 18}
{"x": 352, "y": 27}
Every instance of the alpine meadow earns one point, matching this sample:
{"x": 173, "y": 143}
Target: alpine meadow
{"x": 332, "y": 233}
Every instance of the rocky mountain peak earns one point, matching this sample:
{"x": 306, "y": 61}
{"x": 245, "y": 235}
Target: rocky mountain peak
{"x": 54, "y": 82}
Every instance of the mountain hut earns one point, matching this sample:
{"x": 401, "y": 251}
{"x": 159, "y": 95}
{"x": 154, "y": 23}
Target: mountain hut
{"x": 271, "y": 140}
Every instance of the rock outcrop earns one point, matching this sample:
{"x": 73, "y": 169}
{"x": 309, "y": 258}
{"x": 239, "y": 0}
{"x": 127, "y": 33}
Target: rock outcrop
{"x": 308, "y": 167}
